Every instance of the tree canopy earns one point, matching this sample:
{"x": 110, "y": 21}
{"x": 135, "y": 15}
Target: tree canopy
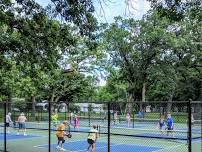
{"x": 57, "y": 53}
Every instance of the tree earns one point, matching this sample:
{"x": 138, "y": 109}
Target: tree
{"x": 37, "y": 42}
{"x": 135, "y": 52}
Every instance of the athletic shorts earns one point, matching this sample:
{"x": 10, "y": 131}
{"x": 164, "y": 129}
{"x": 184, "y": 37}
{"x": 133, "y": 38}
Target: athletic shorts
{"x": 21, "y": 125}
{"x": 90, "y": 141}
{"x": 60, "y": 138}
{"x": 161, "y": 127}
{"x": 7, "y": 124}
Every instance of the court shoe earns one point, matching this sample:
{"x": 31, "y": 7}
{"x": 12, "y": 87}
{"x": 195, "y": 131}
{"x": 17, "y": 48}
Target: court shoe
{"x": 62, "y": 149}
{"x": 58, "y": 147}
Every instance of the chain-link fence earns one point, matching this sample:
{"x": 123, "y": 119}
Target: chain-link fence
{"x": 128, "y": 127}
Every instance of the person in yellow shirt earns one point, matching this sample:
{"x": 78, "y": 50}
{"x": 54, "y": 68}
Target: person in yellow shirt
{"x": 92, "y": 137}
{"x": 54, "y": 119}
{"x": 60, "y": 135}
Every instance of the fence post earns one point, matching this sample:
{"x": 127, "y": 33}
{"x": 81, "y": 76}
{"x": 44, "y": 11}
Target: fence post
{"x": 38, "y": 116}
{"x": 49, "y": 126}
{"x": 89, "y": 117}
{"x": 133, "y": 119}
{"x": 189, "y": 126}
{"x": 109, "y": 119}
{"x": 5, "y": 148}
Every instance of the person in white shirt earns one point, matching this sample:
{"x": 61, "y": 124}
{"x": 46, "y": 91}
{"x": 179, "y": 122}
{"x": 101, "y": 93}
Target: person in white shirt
{"x": 128, "y": 119}
{"x": 8, "y": 121}
{"x": 116, "y": 119}
{"x": 92, "y": 137}
{"x": 21, "y": 123}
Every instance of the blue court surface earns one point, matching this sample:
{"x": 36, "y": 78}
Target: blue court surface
{"x": 164, "y": 136}
{"x": 81, "y": 146}
{"x": 14, "y": 136}
{"x": 194, "y": 130}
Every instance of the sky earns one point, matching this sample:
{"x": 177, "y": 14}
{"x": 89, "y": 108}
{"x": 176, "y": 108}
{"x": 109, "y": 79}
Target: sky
{"x": 134, "y": 9}
{"x": 112, "y": 9}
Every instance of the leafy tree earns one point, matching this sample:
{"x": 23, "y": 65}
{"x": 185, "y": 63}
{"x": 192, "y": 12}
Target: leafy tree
{"x": 136, "y": 52}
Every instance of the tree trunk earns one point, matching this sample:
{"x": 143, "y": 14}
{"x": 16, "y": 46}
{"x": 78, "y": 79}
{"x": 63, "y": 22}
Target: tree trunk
{"x": 130, "y": 103}
{"x": 33, "y": 106}
{"x": 9, "y": 102}
{"x": 51, "y": 101}
{"x": 143, "y": 96}
{"x": 56, "y": 101}
{"x": 169, "y": 104}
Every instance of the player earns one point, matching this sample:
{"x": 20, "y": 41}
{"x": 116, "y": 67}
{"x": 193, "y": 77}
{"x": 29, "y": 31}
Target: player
{"x": 161, "y": 124}
{"x": 21, "y": 122}
{"x": 60, "y": 135}
{"x": 128, "y": 119}
{"x": 71, "y": 117}
{"x": 169, "y": 125}
{"x": 54, "y": 119}
{"x": 116, "y": 119}
{"x": 104, "y": 116}
{"x": 92, "y": 137}
{"x": 76, "y": 122}
{"x": 8, "y": 121}
{"x": 192, "y": 119}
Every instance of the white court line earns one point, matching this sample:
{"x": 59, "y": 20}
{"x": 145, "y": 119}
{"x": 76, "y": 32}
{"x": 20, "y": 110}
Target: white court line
{"x": 25, "y": 137}
{"x": 42, "y": 145}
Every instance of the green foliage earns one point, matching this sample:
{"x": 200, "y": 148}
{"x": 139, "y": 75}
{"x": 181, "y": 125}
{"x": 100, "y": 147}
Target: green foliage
{"x": 74, "y": 108}
{"x": 155, "y": 52}
{"x": 19, "y": 103}
{"x": 158, "y": 57}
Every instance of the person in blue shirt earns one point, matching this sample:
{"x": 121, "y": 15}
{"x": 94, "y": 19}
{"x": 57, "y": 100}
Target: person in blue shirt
{"x": 169, "y": 124}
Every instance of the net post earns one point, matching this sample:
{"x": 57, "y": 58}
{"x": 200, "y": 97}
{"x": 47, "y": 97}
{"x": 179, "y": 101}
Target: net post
{"x": 189, "y": 126}
{"x": 5, "y": 148}
{"x": 109, "y": 117}
{"x": 49, "y": 126}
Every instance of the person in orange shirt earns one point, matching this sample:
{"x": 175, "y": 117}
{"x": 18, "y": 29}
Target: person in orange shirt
{"x": 60, "y": 135}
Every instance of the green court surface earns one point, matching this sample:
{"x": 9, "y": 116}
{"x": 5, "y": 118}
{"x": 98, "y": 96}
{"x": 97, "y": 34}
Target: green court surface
{"x": 142, "y": 140}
